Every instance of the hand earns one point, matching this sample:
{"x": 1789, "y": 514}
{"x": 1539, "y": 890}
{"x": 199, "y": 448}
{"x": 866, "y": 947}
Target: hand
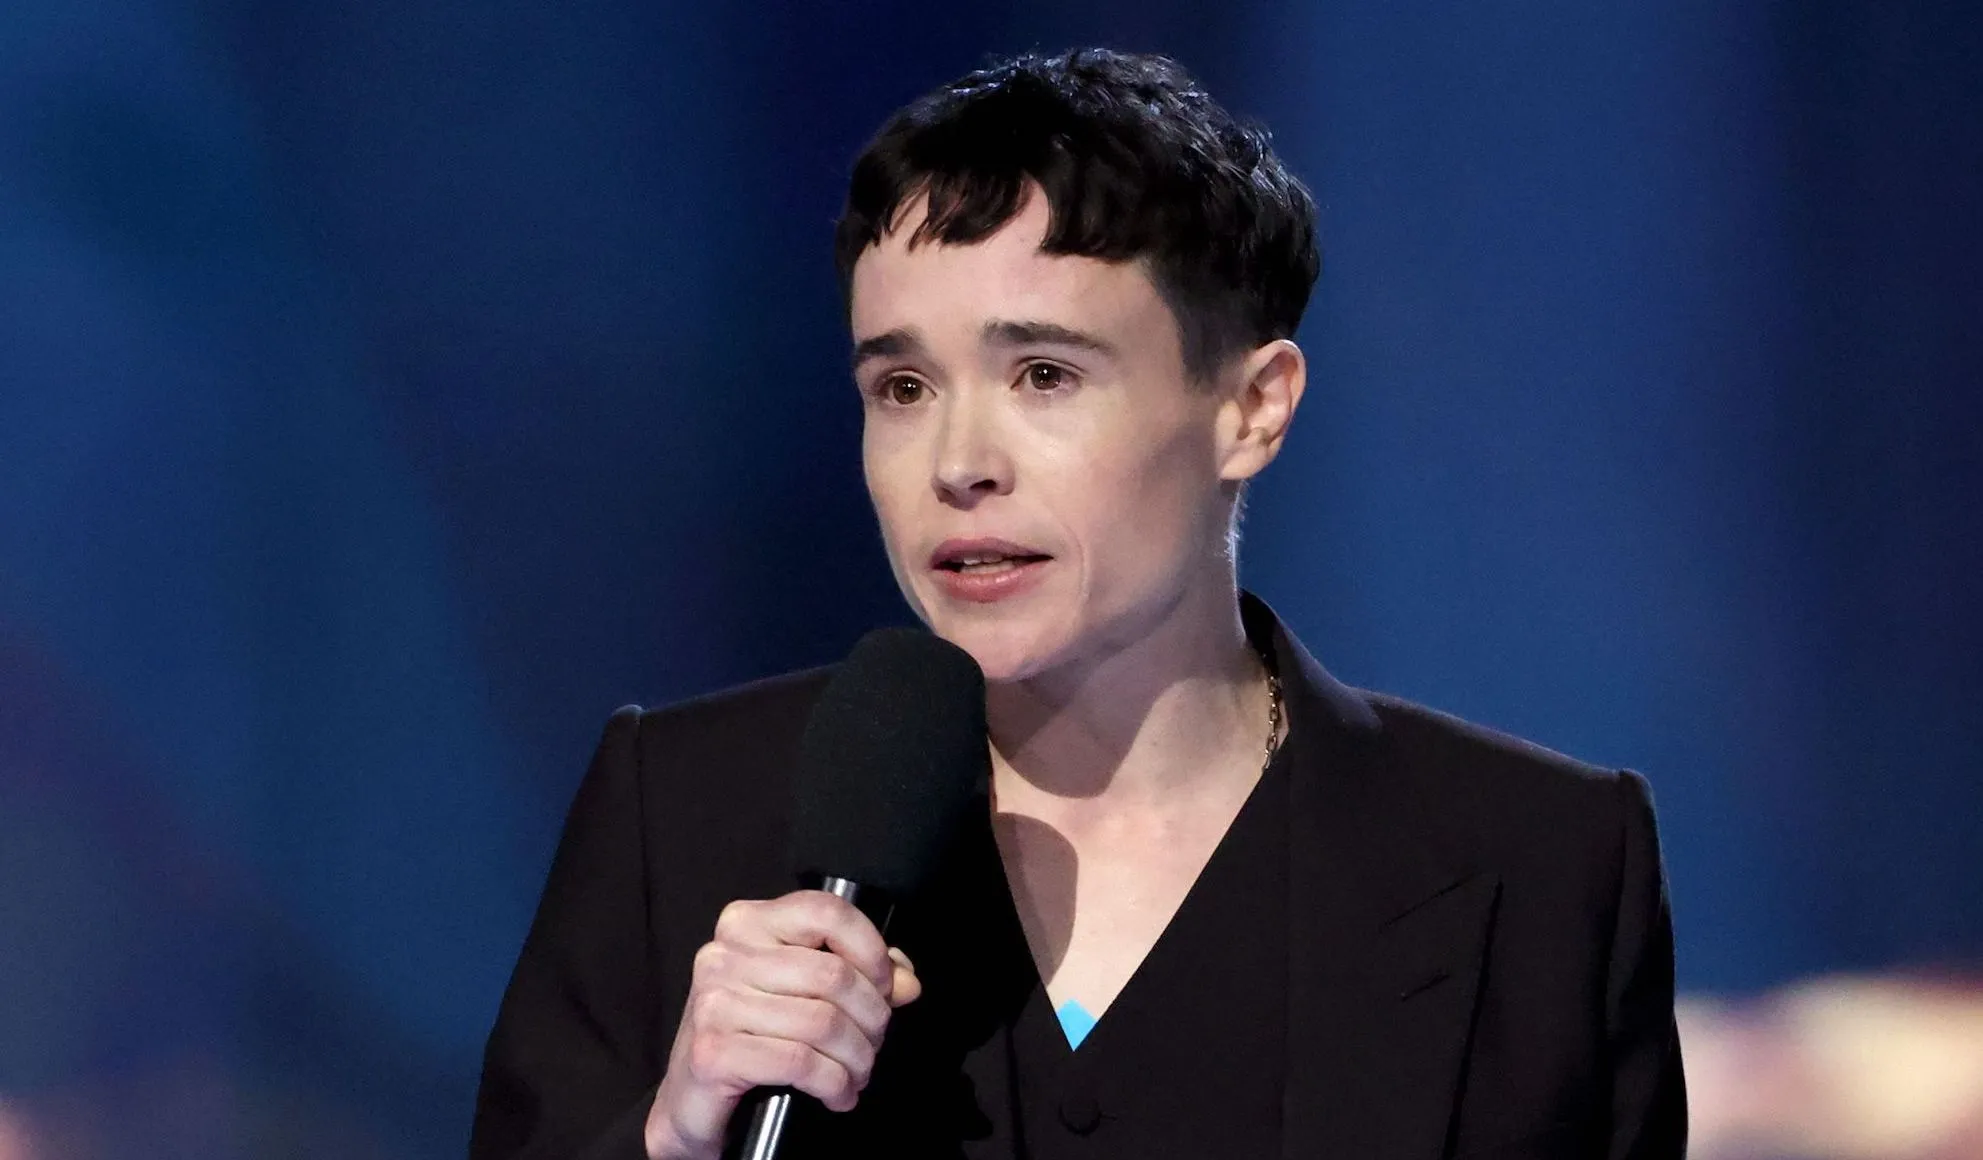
{"x": 793, "y": 992}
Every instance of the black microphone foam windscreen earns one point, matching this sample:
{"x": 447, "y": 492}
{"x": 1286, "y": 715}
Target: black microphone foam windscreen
{"x": 892, "y": 756}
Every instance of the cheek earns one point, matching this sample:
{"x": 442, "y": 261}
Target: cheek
{"x": 882, "y": 485}
{"x": 893, "y": 492}
{"x": 1151, "y": 506}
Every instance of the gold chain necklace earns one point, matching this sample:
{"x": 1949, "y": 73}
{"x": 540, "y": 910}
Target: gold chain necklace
{"x": 1273, "y": 712}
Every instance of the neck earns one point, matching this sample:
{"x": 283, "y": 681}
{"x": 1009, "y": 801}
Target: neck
{"x": 1179, "y": 705}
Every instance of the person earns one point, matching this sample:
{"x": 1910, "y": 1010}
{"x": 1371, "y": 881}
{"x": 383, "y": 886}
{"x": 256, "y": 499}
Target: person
{"x": 1215, "y": 902}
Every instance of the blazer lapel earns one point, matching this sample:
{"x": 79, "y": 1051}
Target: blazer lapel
{"x": 1385, "y": 938}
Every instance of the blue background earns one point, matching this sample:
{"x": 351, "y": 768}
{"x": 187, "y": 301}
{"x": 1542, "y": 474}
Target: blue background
{"x": 390, "y": 389}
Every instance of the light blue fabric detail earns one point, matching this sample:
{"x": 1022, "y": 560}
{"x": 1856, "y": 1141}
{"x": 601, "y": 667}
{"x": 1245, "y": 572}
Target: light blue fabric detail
{"x": 1075, "y": 1021}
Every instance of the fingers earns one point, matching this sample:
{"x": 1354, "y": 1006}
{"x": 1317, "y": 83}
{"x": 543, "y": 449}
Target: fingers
{"x": 741, "y": 1062}
{"x": 801, "y": 973}
{"x": 812, "y": 1023}
{"x": 811, "y": 918}
{"x": 796, "y": 991}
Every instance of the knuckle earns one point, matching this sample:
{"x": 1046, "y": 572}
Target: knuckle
{"x": 822, "y": 1021}
{"x": 735, "y": 916}
{"x": 708, "y": 1054}
{"x": 709, "y": 1007}
{"x": 710, "y": 959}
{"x": 835, "y": 975}
{"x": 793, "y": 1059}
{"x": 861, "y": 1067}
{"x": 836, "y": 1080}
{"x": 827, "y": 910}
{"x": 800, "y": 913}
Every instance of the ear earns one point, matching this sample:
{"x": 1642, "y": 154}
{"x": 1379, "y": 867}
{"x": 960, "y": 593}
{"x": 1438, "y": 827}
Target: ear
{"x": 1259, "y": 408}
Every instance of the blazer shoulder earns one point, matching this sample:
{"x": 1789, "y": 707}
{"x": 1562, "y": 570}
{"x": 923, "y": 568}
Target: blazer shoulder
{"x": 1436, "y": 736}
{"x": 1504, "y": 791}
{"x": 738, "y": 743}
{"x": 780, "y": 701}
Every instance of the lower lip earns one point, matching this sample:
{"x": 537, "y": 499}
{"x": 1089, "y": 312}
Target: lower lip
{"x": 986, "y": 587}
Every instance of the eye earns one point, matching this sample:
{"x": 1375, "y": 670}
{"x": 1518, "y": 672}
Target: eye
{"x": 1044, "y": 377}
{"x": 900, "y": 390}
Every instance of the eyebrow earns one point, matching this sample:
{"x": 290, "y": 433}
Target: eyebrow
{"x": 888, "y": 344}
{"x": 998, "y": 332}
{"x": 1024, "y": 333}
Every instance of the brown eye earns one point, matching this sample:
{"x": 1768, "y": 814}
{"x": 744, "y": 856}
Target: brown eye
{"x": 1046, "y": 377}
{"x": 902, "y": 391}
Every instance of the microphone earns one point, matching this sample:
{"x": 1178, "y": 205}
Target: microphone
{"x": 891, "y": 759}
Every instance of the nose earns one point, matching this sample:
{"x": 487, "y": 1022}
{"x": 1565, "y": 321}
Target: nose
{"x": 971, "y": 462}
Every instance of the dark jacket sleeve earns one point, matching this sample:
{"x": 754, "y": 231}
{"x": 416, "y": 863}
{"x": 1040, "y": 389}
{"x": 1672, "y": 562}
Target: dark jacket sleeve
{"x": 1648, "y": 1091}
{"x": 570, "y": 1067}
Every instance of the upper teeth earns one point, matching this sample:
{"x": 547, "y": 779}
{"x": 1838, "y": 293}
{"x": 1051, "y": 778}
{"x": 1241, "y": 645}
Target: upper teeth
{"x": 979, "y": 559}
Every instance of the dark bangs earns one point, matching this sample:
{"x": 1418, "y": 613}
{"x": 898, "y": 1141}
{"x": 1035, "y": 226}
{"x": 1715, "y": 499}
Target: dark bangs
{"x": 1136, "y": 162}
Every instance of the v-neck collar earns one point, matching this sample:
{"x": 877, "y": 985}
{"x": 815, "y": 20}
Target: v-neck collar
{"x": 1385, "y": 930}
{"x": 1266, "y": 797}
{"x": 1262, "y": 634}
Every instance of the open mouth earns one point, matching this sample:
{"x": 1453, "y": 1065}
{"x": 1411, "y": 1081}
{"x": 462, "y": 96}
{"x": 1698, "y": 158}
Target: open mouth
{"x": 983, "y": 570}
{"x": 988, "y": 565}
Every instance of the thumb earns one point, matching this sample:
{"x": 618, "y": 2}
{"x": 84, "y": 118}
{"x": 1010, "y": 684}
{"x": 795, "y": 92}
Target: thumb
{"x": 904, "y": 986}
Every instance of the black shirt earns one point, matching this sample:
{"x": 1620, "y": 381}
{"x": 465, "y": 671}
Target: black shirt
{"x": 980, "y": 1067}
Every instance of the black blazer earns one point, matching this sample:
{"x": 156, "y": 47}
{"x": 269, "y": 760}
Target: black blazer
{"x": 1480, "y": 952}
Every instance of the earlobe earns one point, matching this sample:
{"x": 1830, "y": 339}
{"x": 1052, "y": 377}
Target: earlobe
{"x": 1269, "y": 385}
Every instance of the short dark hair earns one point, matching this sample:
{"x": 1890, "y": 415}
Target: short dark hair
{"x": 1136, "y": 161}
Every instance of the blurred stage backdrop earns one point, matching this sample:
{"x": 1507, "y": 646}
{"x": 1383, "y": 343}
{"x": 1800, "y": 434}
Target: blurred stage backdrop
{"x": 388, "y": 390}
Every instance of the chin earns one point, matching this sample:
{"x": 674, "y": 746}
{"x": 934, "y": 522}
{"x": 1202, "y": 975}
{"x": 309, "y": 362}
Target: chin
{"x": 1006, "y": 648}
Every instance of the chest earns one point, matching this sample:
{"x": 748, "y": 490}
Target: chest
{"x": 1094, "y": 900}
{"x": 1187, "y": 1051}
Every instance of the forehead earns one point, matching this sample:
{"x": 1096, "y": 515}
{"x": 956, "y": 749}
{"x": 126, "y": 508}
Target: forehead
{"x": 936, "y": 287}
